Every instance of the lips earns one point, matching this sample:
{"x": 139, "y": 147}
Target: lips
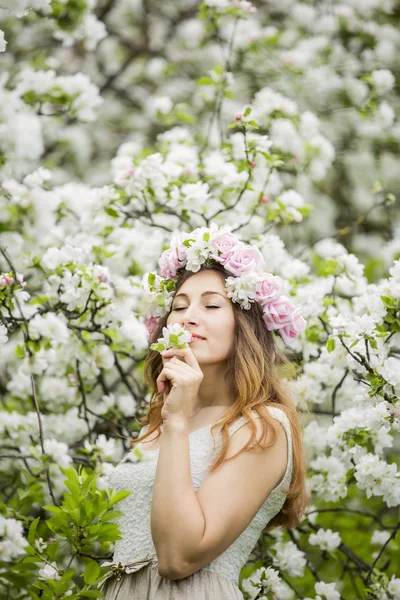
{"x": 196, "y": 337}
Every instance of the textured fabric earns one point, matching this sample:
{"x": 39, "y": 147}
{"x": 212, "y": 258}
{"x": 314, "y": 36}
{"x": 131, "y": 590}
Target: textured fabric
{"x": 135, "y": 552}
{"x": 147, "y": 584}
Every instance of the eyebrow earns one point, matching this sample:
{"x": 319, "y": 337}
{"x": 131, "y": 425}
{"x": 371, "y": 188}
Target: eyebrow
{"x": 209, "y": 293}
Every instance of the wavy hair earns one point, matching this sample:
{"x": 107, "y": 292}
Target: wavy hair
{"x": 255, "y": 383}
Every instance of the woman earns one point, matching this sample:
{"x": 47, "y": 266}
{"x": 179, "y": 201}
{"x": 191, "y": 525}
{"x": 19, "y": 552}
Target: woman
{"x": 221, "y": 443}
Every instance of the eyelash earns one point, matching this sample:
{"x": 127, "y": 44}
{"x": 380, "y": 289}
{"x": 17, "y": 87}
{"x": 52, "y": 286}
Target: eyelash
{"x": 185, "y": 307}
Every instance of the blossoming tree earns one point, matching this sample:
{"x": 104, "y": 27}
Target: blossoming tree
{"x": 124, "y": 122}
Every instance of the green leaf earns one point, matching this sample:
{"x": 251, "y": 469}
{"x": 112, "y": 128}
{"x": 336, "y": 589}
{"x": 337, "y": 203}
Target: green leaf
{"x": 388, "y": 301}
{"x": 158, "y": 347}
{"x": 112, "y": 514}
{"x": 112, "y": 212}
{"x": 20, "y": 352}
{"x": 205, "y": 81}
{"x": 67, "y": 576}
{"x": 92, "y": 572}
{"x": 118, "y": 497}
{"x": 330, "y": 345}
{"x": 54, "y": 509}
{"x": 185, "y": 117}
{"x": 32, "y": 530}
{"x": 247, "y": 112}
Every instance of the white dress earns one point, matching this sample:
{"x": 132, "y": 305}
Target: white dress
{"x": 134, "y": 574}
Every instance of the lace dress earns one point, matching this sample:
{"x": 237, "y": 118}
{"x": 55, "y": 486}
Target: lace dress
{"x": 134, "y": 574}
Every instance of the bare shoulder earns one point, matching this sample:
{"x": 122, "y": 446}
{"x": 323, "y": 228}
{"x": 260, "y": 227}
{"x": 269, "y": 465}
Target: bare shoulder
{"x": 243, "y": 434}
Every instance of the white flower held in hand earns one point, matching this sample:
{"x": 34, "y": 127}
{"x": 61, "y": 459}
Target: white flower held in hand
{"x": 174, "y": 336}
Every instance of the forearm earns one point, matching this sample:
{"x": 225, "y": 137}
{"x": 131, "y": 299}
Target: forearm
{"x": 177, "y": 521}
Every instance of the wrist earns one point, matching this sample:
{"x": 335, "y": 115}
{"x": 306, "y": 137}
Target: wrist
{"x": 175, "y": 423}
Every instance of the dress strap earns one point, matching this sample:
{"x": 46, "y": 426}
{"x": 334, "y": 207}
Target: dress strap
{"x": 280, "y": 415}
{"x": 240, "y": 423}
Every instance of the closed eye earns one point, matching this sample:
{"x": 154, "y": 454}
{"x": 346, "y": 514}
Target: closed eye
{"x": 183, "y": 307}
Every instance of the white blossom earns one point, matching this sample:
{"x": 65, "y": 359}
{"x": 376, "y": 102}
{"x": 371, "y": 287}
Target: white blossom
{"x": 58, "y": 451}
{"x": 127, "y": 405}
{"x": 394, "y": 587}
{"x": 12, "y": 540}
{"x": 49, "y": 571}
{"x": 37, "y": 178}
{"x": 266, "y": 580}
{"x": 107, "y": 447}
{"x": 383, "y": 80}
{"x": 135, "y": 331}
{"x": 390, "y": 370}
{"x": 40, "y": 545}
{"x": 325, "y": 539}
{"x": 3, "y": 334}
{"x": 378, "y": 478}
{"x": 289, "y": 558}
{"x": 3, "y": 42}
{"x": 380, "y": 537}
{"x": 327, "y": 590}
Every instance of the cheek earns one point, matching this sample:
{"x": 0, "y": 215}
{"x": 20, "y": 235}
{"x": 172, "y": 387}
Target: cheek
{"x": 223, "y": 330}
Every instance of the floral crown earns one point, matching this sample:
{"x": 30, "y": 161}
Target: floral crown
{"x": 249, "y": 281}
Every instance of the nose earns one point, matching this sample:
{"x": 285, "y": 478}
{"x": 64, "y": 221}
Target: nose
{"x": 190, "y": 316}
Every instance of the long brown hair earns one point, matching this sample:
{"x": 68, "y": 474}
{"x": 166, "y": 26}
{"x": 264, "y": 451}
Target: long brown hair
{"x": 255, "y": 383}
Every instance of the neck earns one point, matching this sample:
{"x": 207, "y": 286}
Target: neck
{"x": 214, "y": 390}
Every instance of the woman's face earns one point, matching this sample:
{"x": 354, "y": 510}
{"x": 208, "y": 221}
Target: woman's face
{"x": 209, "y": 315}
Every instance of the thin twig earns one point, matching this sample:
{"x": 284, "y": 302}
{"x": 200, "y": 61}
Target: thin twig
{"x": 392, "y": 536}
{"x": 42, "y": 438}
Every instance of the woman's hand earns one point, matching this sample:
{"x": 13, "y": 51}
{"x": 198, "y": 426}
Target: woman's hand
{"x": 180, "y": 381}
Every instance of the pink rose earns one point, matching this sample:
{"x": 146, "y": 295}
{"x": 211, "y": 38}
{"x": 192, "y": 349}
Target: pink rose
{"x": 278, "y": 313}
{"x": 246, "y": 259}
{"x": 173, "y": 258}
{"x": 226, "y": 243}
{"x": 270, "y": 288}
{"x": 169, "y": 263}
{"x": 295, "y": 328}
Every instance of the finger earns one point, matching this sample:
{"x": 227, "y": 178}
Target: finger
{"x": 163, "y": 382}
{"x": 170, "y": 369}
{"x": 179, "y": 367}
{"x": 174, "y": 371}
{"x": 174, "y": 377}
{"x": 162, "y": 378}
{"x": 177, "y": 361}
{"x": 174, "y": 360}
{"x": 167, "y": 359}
{"x": 187, "y": 355}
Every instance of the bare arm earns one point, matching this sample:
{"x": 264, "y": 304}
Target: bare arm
{"x": 177, "y": 521}
{"x": 191, "y": 529}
